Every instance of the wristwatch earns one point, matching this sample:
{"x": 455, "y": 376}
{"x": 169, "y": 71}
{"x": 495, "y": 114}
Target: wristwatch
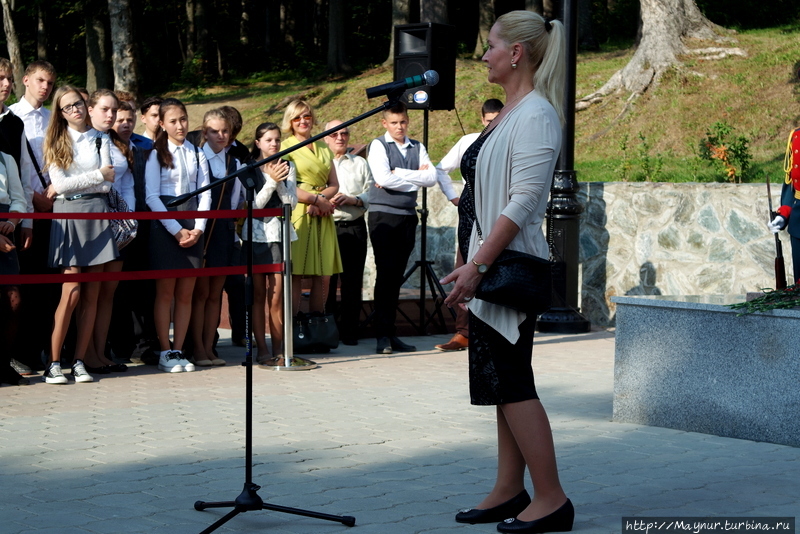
{"x": 482, "y": 267}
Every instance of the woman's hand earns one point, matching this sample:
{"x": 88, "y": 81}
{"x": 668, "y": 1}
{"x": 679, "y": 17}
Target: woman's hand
{"x": 278, "y": 171}
{"x": 7, "y": 227}
{"x": 187, "y": 238}
{"x": 5, "y": 244}
{"x": 466, "y": 280}
{"x": 324, "y": 206}
{"x": 108, "y": 173}
{"x": 313, "y": 211}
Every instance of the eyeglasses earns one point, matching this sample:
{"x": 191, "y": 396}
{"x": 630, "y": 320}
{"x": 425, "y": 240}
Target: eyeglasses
{"x": 306, "y": 117}
{"x": 75, "y": 105}
{"x": 339, "y": 134}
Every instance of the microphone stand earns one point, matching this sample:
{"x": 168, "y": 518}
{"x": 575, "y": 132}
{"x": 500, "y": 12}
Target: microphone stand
{"x": 249, "y": 500}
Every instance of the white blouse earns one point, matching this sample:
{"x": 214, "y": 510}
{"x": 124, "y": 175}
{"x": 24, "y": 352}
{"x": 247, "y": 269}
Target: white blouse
{"x": 11, "y": 192}
{"x": 165, "y": 181}
{"x": 123, "y": 177}
{"x": 270, "y": 229}
{"x": 83, "y": 176}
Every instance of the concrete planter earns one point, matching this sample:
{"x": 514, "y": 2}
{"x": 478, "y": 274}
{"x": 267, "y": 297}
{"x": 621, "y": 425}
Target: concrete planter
{"x": 690, "y": 363}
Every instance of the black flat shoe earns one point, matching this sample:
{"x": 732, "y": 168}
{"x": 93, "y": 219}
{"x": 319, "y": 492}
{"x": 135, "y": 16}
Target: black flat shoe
{"x": 117, "y": 367}
{"x": 559, "y": 521}
{"x": 400, "y": 346}
{"x": 102, "y": 370}
{"x": 508, "y": 509}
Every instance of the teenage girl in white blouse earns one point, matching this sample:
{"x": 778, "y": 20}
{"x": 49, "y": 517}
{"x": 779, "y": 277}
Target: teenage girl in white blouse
{"x": 175, "y": 167}
{"x": 81, "y": 174}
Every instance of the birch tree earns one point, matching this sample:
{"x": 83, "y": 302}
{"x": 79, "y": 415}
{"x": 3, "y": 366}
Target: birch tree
{"x": 14, "y": 50}
{"x": 123, "y": 52}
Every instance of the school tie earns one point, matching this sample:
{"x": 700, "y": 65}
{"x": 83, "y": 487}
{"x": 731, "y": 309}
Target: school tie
{"x": 184, "y": 183}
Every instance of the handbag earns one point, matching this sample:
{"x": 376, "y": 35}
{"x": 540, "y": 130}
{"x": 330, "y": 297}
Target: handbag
{"x": 315, "y": 332}
{"x": 517, "y": 280}
{"x": 124, "y": 229}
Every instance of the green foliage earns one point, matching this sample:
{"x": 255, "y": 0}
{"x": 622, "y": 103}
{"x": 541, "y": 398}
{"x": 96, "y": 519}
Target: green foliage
{"x": 731, "y": 151}
{"x": 779, "y": 299}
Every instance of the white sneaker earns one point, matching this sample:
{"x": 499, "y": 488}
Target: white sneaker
{"x": 79, "y": 372}
{"x": 187, "y": 365}
{"x": 170, "y": 362}
{"x": 53, "y": 374}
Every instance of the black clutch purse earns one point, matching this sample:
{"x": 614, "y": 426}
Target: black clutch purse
{"x": 519, "y": 281}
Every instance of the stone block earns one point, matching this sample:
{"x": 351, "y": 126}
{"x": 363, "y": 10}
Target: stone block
{"x": 694, "y": 365}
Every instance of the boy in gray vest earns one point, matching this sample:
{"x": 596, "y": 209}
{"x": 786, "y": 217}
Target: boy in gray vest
{"x": 400, "y": 166}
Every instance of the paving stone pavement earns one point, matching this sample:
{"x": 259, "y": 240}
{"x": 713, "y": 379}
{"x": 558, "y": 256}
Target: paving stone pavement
{"x": 391, "y": 440}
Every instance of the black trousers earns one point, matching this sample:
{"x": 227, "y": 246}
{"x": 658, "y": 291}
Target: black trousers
{"x": 352, "y": 236}
{"x": 38, "y": 301}
{"x": 393, "y": 238}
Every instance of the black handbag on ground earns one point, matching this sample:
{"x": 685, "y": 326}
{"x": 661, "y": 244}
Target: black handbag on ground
{"x": 517, "y": 280}
{"x": 315, "y": 332}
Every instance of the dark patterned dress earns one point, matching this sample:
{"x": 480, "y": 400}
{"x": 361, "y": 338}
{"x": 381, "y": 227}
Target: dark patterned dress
{"x": 499, "y": 372}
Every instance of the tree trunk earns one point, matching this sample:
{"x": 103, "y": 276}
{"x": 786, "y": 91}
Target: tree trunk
{"x": 337, "y": 57}
{"x": 433, "y": 11}
{"x": 244, "y": 22}
{"x": 399, "y": 16}
{"x": 191, "y": 36}
{"x": 537, "y": 6}
{"x": 14, "y": 50}
{"x": 485, "y": 21}
{"x": 98, "y": 73}
{"x": 123, "y": 53}
{"x": 664, "y": 27}
{"x": 41, "y": 34}
{"x": 586, "y": 38}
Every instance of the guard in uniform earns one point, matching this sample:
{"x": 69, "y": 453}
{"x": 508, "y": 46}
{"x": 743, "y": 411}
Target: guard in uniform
{"x": 788, "y": 214}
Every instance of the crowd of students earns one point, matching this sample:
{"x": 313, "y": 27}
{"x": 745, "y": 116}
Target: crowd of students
{"x": 68, "y": 159}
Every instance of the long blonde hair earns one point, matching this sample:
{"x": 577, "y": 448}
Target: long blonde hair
{"x": 294, "y": 107}
{"x": 58, "y": 149}
{"x": 544, "y": 42}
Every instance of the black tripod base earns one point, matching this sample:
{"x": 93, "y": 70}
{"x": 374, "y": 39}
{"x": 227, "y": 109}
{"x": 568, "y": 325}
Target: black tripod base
{"x": 249, "y": 500}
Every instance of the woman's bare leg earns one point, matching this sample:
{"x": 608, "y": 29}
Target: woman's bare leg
{"x": 275, "y": 296}
{"x": 162, "y": 311}
{"x": 528, "y": 423}
{"x": 183, "y": 310}
{"x": 213, "y": 309}
{"x": 259, "y": 315}
{"x": 70, "y": 296}
{"x": 197, "y": 321}
{"x": 95, "y": 352}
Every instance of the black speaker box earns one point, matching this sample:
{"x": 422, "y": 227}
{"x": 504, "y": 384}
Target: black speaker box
{"x": 422, "y": 47}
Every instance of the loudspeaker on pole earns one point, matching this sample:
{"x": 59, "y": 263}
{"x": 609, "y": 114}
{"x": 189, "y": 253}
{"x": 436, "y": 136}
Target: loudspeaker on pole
{"x": 422, "y": 47}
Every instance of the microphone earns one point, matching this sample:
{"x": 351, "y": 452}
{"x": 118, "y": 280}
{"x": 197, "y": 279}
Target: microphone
{"x": 430, "y": 77}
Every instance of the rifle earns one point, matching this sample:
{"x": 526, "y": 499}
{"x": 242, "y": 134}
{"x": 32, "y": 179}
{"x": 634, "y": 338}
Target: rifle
{"x": 780, "y": 266}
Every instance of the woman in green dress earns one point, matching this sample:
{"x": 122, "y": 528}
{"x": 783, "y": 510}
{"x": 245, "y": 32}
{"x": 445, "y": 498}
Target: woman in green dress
{"x": 315, "y": 254}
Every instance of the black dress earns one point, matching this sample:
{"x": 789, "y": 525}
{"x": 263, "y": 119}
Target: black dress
{"x": 499, "y": 372}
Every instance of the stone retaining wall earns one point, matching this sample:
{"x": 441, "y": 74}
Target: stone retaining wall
{"x": 673, "y": 239}
{"x": 646, "y": 239}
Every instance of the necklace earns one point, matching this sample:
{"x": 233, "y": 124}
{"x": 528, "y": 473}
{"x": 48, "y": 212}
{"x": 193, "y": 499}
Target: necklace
{"x": 508, "y": 107}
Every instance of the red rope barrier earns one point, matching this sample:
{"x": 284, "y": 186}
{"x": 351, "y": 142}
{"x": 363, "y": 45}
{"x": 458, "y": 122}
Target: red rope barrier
{"x": 144, "y": 215}
{"x": 13, "y": 280}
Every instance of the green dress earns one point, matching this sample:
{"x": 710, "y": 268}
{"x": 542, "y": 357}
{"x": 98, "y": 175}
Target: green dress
{"x": 316, "y": 251}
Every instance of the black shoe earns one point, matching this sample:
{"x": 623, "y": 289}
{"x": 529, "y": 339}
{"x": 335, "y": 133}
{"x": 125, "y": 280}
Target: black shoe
{"x": 384, "y": 346}
{"x": 559, "y": 521}
{"x": 102, "y": 370}
{"x": 399, "y": 346}
{"x": 508, "y": 509}
{"x": 13, "y": 378}
{"x": 349, "y": 341}
{"x": 20, "y": 367}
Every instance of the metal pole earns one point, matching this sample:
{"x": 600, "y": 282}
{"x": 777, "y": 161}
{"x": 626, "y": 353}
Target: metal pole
{"x": 565, "y": 317}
